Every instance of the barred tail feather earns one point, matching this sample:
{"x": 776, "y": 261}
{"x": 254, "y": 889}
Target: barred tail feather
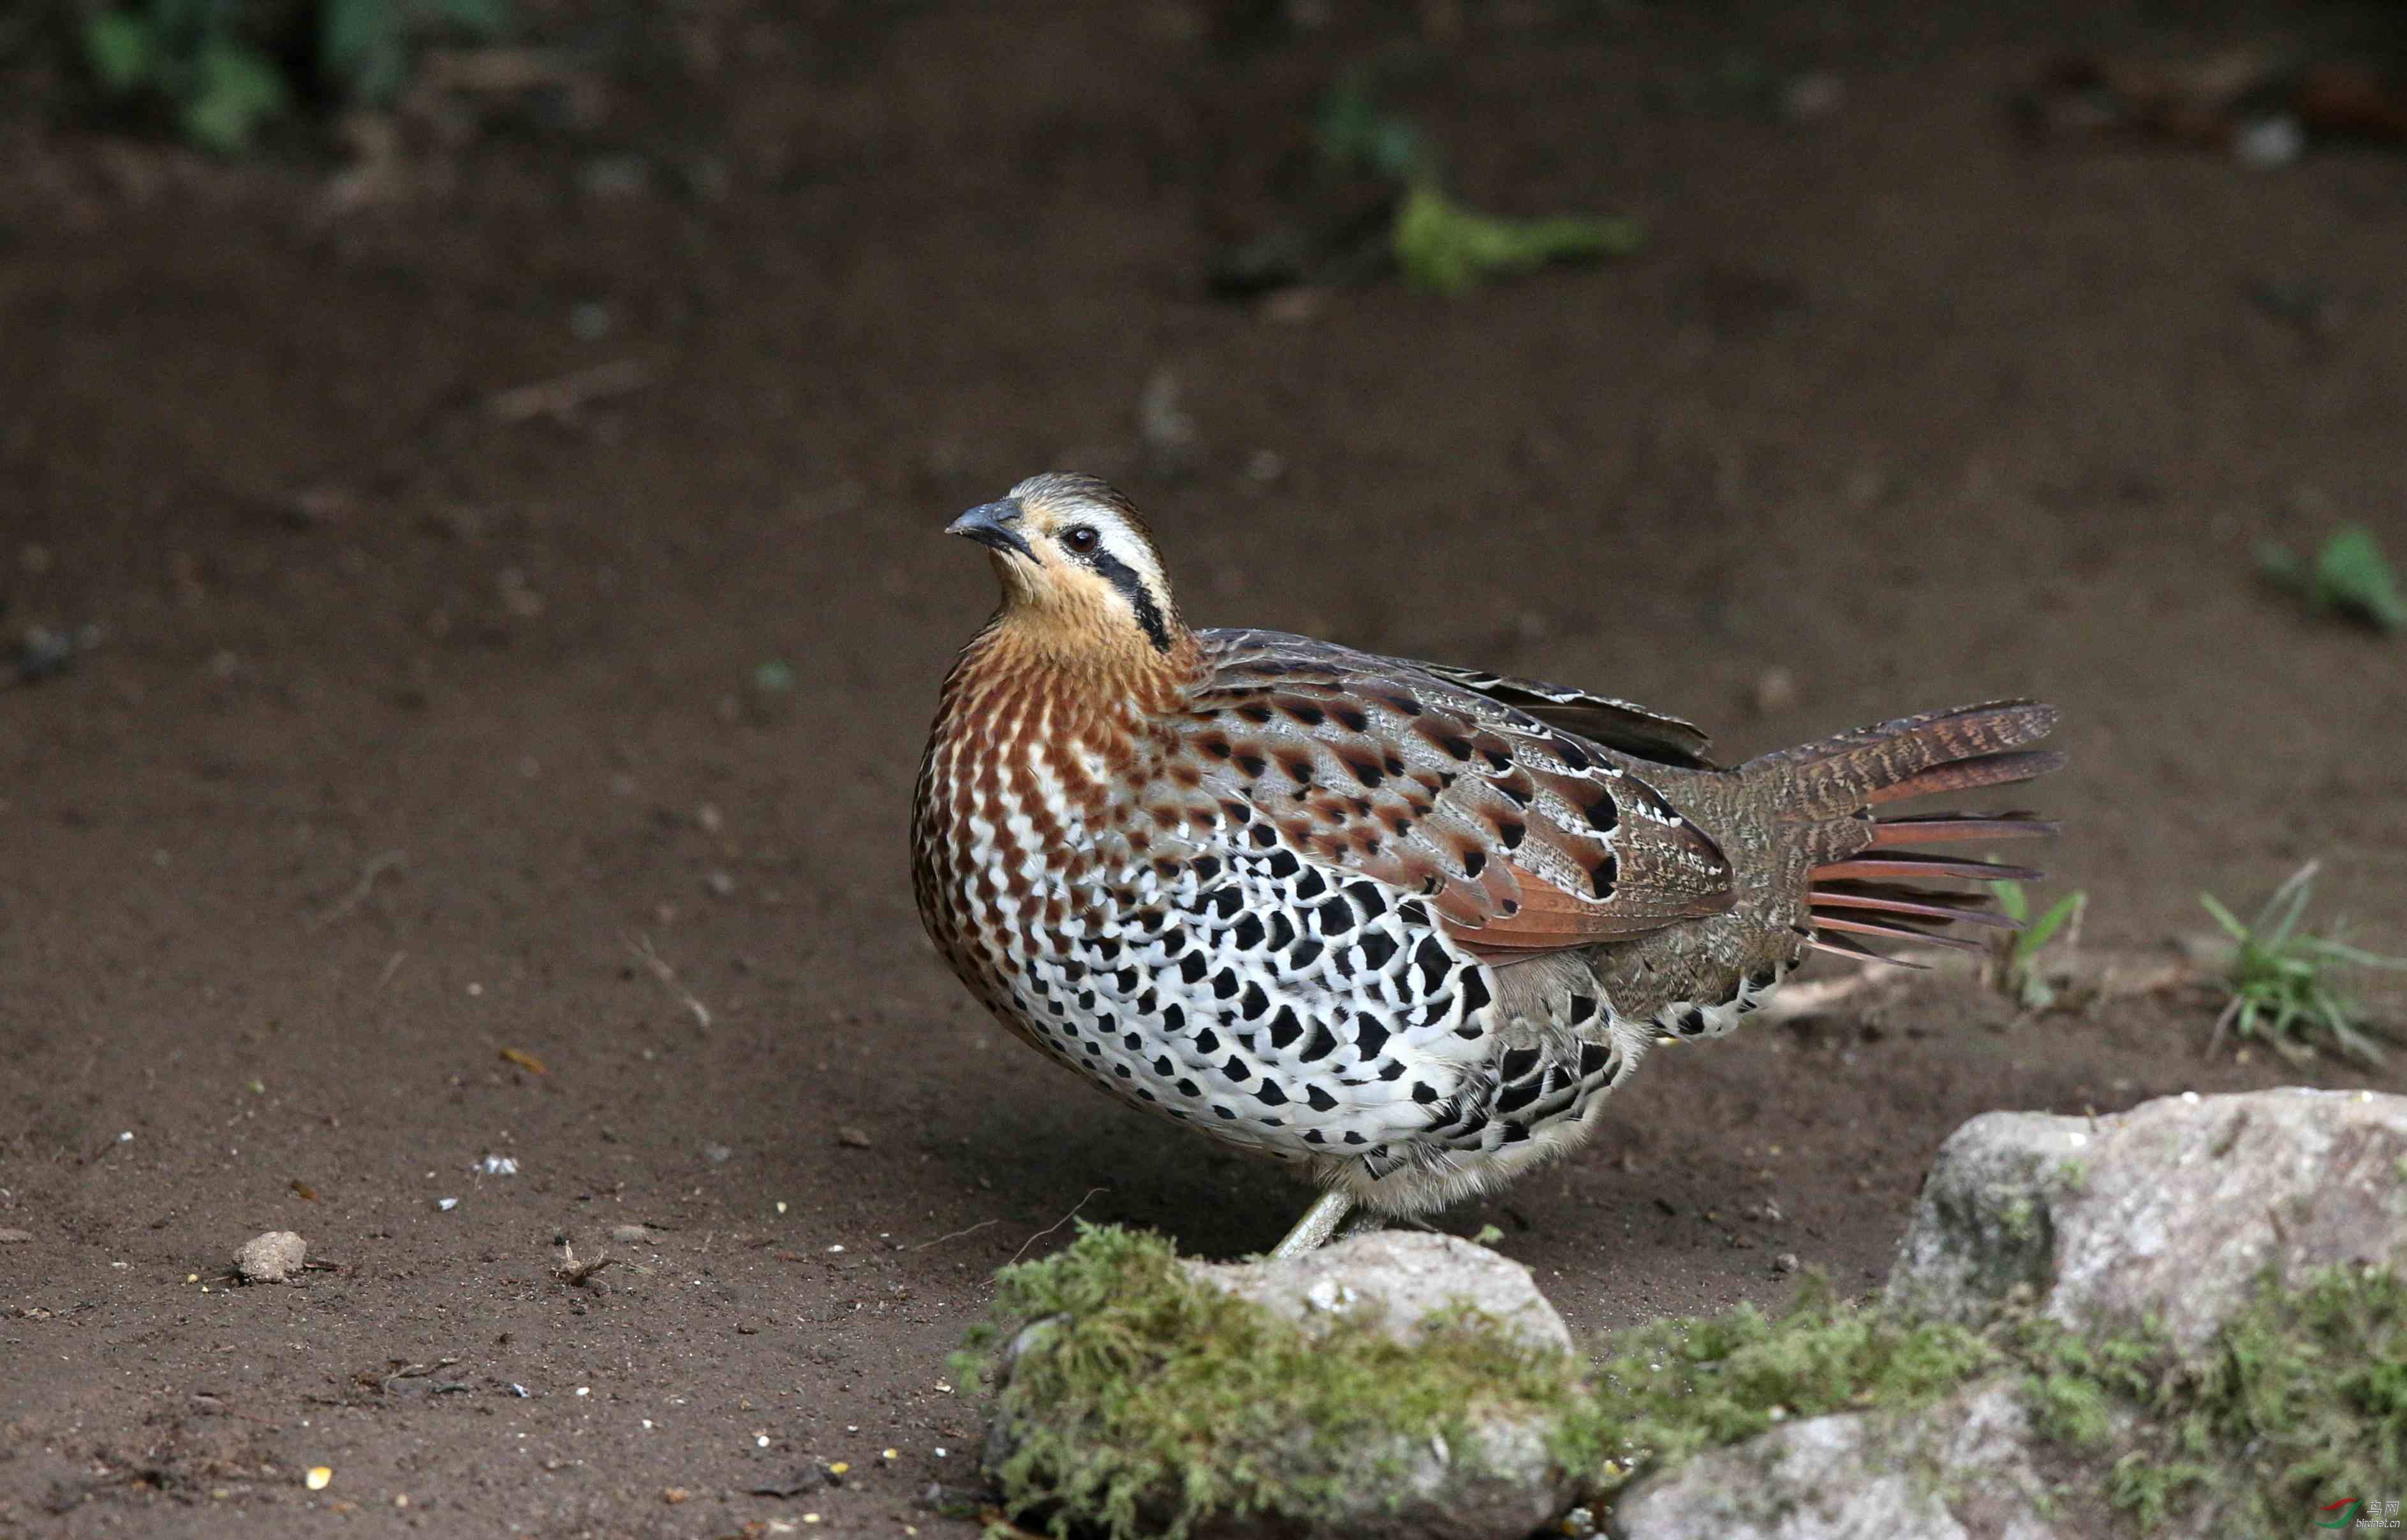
{"x": 1825, "y": 799}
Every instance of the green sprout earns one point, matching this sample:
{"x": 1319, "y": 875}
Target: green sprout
{"x": 1439, "y": 244}
{"x": 1442, "y": 245}
{"x": 2014, "y": 967}
{"x": 2276, "y": 980}
{"x": 2350, "y": 577}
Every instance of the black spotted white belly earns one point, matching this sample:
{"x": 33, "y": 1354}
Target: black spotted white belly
{"x": 1292, "y": 1010}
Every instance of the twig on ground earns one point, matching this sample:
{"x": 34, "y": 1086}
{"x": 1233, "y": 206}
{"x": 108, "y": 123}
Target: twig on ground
{"x": 956, "y": 1234}
{"x": 658, "y": 966}
{"x": 1811, "y": 999}
{"x": 562, "y": 397}
{"x": 1055, "y": 1225}
{"x": 375, "y": 866}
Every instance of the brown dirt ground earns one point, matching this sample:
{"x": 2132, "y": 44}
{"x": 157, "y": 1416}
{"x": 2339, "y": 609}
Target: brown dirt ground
{"x": 1889, "y": 401}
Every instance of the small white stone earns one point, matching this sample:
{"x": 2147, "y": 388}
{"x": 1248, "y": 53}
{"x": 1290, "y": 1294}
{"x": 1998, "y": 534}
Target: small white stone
{"x": 271, "y": 1258}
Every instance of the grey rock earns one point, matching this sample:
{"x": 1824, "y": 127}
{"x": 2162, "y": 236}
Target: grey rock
{"x": 1961, "y": 1469}
{"x": 274, "y": 1257}
{"x": 1505, "y": 1485}
{"x": 2173, "y": 1209}
{"x": 1399, "y": 1278}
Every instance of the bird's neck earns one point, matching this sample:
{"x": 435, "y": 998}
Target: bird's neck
{"x": 1022, "y": 695}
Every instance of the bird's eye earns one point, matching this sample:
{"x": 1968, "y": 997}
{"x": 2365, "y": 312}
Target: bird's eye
{"x": 1082, "y": 538}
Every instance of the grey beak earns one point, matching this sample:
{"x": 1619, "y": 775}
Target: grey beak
{"x": 990, "y": 524}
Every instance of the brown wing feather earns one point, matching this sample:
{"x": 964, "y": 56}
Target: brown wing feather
{"x": 1525, "y": 838}
{"x": 1615, "y": 723}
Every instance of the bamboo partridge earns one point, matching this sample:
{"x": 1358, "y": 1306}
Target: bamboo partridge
{"x": 1399, "y": 924}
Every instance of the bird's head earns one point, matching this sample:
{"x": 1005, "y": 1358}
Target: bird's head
{"x": 1080, "y": 579}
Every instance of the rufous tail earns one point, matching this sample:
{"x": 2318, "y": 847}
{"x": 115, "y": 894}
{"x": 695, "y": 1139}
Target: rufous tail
{"x": 1863, "y": 883}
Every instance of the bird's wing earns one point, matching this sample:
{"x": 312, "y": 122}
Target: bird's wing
{"x": 1524, "y": 838}
{"x": 1616, "y": 724}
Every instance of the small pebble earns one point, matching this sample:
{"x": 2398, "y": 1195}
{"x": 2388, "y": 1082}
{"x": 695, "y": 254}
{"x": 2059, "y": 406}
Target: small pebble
{"x": 718, "y": 1154}
{"x": 271, "y": 1258}
{"x": 629, "y": 1233}
{"x": 853, "y": 1138}
{"x": 15, "y": 1238}
{"x": 1785, "y": 1262}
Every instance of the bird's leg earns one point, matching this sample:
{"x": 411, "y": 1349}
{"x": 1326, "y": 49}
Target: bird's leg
{"x": 1312, "y": 1232}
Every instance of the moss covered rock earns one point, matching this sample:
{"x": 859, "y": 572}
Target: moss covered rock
{"x": 1396, "y": 1386}
{"x": 2170, "y": 1212}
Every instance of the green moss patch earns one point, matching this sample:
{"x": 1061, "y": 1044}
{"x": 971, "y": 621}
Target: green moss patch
{"x": 1158, "y": 1400}
{"x": 2299, "y": 1401}
{"x": 1666, "y": 1390}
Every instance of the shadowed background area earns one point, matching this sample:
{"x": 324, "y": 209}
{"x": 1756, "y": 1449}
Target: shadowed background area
{"x": 506, "y": 530}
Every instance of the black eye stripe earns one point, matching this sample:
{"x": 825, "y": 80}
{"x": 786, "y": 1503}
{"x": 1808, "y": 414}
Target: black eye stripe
{"x": 1122, "y": 576}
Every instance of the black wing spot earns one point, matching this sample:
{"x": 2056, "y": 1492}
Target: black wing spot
{"x": 1517, "y": 1063}
{"x": 1323, "y": 1044}
{"x": 1285, "y": 1028}
{"x": 1607, "y": 873}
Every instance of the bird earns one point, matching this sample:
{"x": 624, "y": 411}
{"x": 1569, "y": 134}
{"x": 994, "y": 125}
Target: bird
{"x": 1401, "y": 926}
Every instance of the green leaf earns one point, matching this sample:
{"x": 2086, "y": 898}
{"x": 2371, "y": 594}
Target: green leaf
{"x": 2352, "y": 576}
{"x": 2225, "y": 917}
{"x": 236, "y": 89}
{"x": 120, "y": 50}
{"x": 1442, "y": 245}
{"x": 2011, "y": 901}
{"x": 2043, "y": 930}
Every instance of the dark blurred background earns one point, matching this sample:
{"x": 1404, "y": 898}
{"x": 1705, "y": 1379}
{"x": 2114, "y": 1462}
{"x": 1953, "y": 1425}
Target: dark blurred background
{"x": 469, "y": 586}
